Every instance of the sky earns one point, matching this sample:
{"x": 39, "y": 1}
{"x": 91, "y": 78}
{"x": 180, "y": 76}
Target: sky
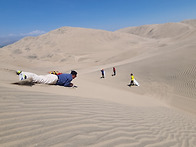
{"x": 19, "y": 18}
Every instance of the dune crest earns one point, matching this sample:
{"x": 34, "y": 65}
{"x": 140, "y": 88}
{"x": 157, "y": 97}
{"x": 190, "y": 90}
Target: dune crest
{"x": 160, "y": 31}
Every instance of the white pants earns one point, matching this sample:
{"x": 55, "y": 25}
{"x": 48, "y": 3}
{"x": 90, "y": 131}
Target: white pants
{"x": 50, "y": 79}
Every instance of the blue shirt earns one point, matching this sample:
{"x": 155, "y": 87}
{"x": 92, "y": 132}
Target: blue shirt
{"x": 64, "y": 80}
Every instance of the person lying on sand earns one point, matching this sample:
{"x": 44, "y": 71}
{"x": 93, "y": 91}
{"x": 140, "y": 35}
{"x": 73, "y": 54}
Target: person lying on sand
{"x": 51, "y": 79}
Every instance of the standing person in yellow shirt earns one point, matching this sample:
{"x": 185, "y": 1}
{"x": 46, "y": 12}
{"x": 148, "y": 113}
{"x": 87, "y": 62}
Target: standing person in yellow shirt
{"x": 132, "y": 81}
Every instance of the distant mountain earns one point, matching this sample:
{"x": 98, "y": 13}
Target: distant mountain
{"x": 4, "y": 41}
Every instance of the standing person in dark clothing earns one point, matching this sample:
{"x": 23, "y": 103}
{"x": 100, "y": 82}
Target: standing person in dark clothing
{"x": 114, "y": 71}
{"x": 103, "y": 73}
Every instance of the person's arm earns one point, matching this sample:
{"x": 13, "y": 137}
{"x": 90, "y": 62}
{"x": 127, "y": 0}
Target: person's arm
{"x": 71, "y": 85}
{"x": 68, "y": 84}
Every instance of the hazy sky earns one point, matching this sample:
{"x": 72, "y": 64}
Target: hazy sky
{"x": 32, "y": 17}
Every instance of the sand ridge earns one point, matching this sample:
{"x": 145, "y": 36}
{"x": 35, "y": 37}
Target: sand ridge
{"x": 40, "y": 119}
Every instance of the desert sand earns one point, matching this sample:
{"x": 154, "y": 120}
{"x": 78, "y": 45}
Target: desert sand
{"x": 161, "y": 112}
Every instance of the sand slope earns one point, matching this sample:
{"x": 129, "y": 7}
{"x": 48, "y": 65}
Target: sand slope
{"x": 172, "y": 68}
{"x": 40, "y": 119}
{"x": 68, "y": 45}
{"x": 103, "y": 112}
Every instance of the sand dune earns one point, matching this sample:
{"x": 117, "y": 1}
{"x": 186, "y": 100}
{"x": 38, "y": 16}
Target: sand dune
{"x": 74, "y": 45}
{"x": 103, "y": 112}
{"x": 160, "y": 31}
{"x": 172, "y": 69}
{"x": 38, "y": 119}
{"x": 191, "y": 22}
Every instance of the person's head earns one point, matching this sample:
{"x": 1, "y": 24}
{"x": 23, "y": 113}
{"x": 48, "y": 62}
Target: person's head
{"x": 131, "y": 74}
{"x": 74, "y": 74}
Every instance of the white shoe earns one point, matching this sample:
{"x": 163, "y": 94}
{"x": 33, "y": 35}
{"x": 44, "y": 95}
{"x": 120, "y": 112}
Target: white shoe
{"x": 22, "y": 76}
